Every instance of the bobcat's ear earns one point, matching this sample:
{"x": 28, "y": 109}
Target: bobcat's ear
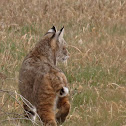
{"x": 61, "y": 33}
{"x": 53, "y": 29}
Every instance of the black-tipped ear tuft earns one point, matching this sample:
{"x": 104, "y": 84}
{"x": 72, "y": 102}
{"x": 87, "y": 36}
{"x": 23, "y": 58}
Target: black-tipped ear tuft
{"x": 61, "y": 33}
{"x": 61, "y": 29}
{"x": 53, "y": 29}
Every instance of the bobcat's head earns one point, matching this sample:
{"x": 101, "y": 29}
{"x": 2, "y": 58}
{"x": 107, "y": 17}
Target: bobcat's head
{"x": 58, "y": 44}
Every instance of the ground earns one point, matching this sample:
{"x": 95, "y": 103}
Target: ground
{"x": 95, "y": 31}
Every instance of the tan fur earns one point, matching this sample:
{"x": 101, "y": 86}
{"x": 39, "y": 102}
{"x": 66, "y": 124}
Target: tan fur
{"x": 41, "y": 80}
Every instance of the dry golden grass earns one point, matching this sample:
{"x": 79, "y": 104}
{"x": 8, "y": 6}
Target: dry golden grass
{"x": 96, "y": 33}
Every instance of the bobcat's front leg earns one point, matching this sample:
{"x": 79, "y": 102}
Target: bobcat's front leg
{"x": 64, "y": 106}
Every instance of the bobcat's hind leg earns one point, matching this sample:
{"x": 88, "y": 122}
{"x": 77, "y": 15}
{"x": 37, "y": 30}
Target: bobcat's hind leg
{"x": 45, "y": 110}
{"x": 64, "y": 106}
{"x": 29, "y": 113}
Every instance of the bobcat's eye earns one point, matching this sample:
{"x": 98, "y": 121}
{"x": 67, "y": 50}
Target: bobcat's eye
{"x": 64, "y": 48}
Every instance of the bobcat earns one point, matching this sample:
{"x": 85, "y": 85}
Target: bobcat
{"x": 42, "y": 83}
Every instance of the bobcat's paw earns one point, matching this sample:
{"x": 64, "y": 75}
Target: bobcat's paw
{"x": 51, "y": 123}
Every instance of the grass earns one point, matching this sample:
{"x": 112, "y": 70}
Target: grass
{"x": 95, "y": 32}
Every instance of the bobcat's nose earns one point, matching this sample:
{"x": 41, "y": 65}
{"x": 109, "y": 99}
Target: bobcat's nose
{"x": 68, "y": 54}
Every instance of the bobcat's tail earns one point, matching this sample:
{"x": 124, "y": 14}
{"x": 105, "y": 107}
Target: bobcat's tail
{"x": 64, "y": 91}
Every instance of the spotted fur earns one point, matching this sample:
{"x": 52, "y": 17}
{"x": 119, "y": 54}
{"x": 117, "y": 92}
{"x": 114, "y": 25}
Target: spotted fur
{"x": 42, "y": 83}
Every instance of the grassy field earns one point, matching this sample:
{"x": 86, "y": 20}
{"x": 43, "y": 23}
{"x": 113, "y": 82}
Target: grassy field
{"x": 95, "y": 31}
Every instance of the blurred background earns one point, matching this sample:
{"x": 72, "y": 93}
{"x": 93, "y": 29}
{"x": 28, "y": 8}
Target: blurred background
{"x": 95, "y": 31}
